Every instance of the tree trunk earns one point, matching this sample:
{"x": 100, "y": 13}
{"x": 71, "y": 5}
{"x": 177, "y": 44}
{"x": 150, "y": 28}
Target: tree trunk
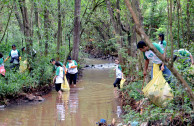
{"x": 37, "y": 24}
{"x": 171, "y": 36}
{"x": 17, "y": 15}
{"x": 178, "y": 31}
{"x": 188, "y": 22}
{"x": 27, "y": 30}
{"x": 76, "y": 36}
{"x": 6, "y": 25}
{"x": 183, "y": 36}
{"x": 59, "y": 34}
{"x": 46, "y": 27}
{"x": 141, "y": 32}
{"x": 117, "y": 35}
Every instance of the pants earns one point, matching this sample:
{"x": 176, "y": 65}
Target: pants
{"x": 57, "y": 86}
{"x": 15, "y": 66}
{"x": 72, "y": 78}
{"x": 166, "y": 73}
{"x": 117, "y": 83}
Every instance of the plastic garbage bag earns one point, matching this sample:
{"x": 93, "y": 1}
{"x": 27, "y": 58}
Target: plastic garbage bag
{"x": 122, "y": 83}
{"x": 65, "y": 85}
{"x": 23, "y": 66}
{"x": 158, "y": 90}
{"x": 2, "y": 70}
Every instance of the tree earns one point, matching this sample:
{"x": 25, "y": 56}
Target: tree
{"x": 59, "y": 34}
{"x": 27, "y": 30}
{"x": 76, "y": 36}
{"x": 46, "y": 26}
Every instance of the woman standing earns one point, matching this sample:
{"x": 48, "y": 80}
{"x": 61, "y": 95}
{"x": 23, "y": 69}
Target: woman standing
{"x": 72, "y": 71}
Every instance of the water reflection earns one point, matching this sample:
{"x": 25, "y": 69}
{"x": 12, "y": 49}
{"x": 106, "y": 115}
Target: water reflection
{"x": 73, "y": 101}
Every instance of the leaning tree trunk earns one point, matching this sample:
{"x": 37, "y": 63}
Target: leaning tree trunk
{"x": 76, "y": 36}
{"x": 27, "y": 30}
{"x": 141, "y": 32}
{"x": 17, "y": 15}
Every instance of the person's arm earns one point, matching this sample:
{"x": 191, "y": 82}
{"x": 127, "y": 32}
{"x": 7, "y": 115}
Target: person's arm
{"x": 191, "y": 59}
{"x": 145, "y": 67}
{"x": 6, "y": 59}
{"x": 54, "y": 78}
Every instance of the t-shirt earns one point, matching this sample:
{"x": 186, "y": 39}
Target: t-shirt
{"x": 151, "y": 55}
{"x": 14, "y": 53}
{"x": 184, "y": 52}
{"x": 163, "y": 45}
{"x": 1, "y": 62}
{"x": 72, "y": 70}
{"x": 55, "y": 67}
{"x": 60, "y": 74}
{"x": 118, "y": 71}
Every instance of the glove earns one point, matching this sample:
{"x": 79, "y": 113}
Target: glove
{"x": 73, "y": 66}
{"x": 20, "y": 58}
{"x": 6, "y": 59}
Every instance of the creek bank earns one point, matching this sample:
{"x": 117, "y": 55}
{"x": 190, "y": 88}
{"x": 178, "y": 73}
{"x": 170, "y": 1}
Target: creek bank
{"x": 139, "y": 106}
{"x": 31, "y": 94}
{"x": 27, "y": 95}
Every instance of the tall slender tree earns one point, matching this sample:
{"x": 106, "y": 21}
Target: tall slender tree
{"x": 76, "y": 35}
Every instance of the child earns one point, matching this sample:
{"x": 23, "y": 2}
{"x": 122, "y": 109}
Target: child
{"x": 58, "y": 79}
{"x": 119, "y": 74}
{"x": 2, "y": 69}
{"x": 162, "y": 42}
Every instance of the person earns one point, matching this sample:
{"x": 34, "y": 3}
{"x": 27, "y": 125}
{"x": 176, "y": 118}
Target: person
{"x": 183, "y": 54}
{"x": 2, "y": 68}
{"x": 52, "y": 61}
{"x": 58, "y": 79}
{"x": 33, "y": 53}
{"x": 149, "y": 55}
{"x": 119, "y": 74}
{"x": 162, "y": 42}
{"x": 71, "y": 71}
{"x": 15, "y": 58}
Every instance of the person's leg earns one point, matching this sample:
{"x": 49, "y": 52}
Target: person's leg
{"x": 166, "y": 74}
{"x": 58, "y": 89}
{"x": 70, "y": 78}
{"x": 74, "y": 78}
{"x": 115, "y": 83}
{"x": 118, "y": 82}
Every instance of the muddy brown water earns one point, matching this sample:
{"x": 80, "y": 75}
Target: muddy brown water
{"x": 84, "y": 105}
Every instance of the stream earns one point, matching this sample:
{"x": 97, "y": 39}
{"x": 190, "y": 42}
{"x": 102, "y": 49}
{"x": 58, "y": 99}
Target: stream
{"x": 84, "y": 105}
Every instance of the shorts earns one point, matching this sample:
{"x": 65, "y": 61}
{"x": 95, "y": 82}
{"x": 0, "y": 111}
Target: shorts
{"x": 57, "y": 86}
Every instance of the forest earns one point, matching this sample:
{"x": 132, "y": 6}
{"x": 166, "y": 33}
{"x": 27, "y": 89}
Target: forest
{"x": 105, "y": 29}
